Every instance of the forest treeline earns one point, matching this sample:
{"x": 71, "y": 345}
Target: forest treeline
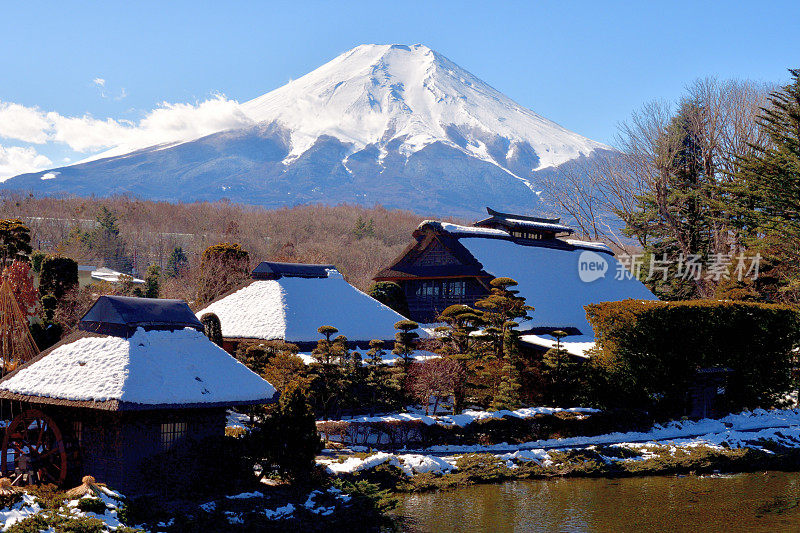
{"x": 128, "y": 234}
{"x": 708, "y": 178}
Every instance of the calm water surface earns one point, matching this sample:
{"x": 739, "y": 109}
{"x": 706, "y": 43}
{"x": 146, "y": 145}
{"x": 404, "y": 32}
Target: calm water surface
{"x": 768, "y": 501}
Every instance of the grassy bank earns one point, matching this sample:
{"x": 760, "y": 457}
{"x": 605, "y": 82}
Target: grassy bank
{"x": 596, "y": 461}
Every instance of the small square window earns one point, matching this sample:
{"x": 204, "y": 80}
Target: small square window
{"x": 172, "y": 432}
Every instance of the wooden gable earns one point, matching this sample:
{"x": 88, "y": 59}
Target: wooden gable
{"x": 434, "y": 254}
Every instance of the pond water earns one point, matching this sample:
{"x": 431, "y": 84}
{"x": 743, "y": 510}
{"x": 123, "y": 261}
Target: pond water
{"x": 765, "y": 501}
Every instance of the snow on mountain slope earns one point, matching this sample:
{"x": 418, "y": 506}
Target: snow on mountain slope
{"x": 377, "y": 93}
{"x": 400, "y": 126}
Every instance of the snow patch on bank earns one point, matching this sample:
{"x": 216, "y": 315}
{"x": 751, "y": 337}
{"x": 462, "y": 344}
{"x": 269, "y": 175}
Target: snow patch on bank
{"x": 749, "y": 429}
{"x": 469, "y": 416}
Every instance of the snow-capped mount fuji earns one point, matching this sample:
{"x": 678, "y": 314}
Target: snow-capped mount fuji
{"x": 376, "y": 94}
{"x": 397, "y": 125}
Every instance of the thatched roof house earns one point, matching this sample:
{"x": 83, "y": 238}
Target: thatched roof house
{"x": 288, "y": 301}
{"x": 453, "y": 264}
{"x": 138, "y": 378}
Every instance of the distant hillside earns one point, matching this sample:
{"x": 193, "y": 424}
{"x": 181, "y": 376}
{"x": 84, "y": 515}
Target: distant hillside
{"x": 359, "y": 241}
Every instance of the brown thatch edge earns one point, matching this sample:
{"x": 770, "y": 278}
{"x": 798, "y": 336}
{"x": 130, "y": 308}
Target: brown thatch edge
{"x": 116, "y": 405}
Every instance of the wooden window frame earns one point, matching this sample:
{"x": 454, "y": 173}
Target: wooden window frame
{"x": 171, "y": 433}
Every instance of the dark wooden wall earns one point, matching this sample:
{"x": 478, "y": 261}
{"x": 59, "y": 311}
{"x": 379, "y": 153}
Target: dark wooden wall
{"x": 113, "y": 447}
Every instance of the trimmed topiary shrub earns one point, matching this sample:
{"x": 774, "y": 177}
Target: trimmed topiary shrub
{"x": 391, "y": 295}
{"x": 58, "y": 276}
{"x": 213, "y": 327}
{"x": 648, "y": 353}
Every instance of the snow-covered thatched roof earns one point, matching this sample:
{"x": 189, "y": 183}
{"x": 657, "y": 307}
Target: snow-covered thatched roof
{"x": 166, "y": 367}
{"x": 151, "y": 369}
{"x": 292, "y": 308}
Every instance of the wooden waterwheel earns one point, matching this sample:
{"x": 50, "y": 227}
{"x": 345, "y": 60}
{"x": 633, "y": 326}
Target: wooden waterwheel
{"x": 33, "y": 450}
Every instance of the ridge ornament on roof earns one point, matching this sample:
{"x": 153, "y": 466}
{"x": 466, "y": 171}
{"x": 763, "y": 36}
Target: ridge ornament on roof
{"x": 121, "y": 316}
{"x": 544, "y": 228}
{"x": 273, "y": 270}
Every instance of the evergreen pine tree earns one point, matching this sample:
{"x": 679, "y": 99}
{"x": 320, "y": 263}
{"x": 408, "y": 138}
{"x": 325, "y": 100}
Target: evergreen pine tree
{"x": 507, "y": 396}
{"x": 59, "y": 275}
{"x": 404, "y": 346}
{"x": 289, "y": 438}
{"x": 177, "y": 263}
{"x": 37, "y": 256}
{"x": 15, "y": 241}
{"x": 501, "y": 307}
{"x": 151, "y": 281}
{"x": 326, "y": 373}
{"x": 405, "y": 340}
{"x": 105, "y": 239}
{"x": 391, "y": 295}
{"x": 285, "y": 367}
{"x": 378, "y": 388}
{"x": 258, "y": 355}
{"x": 769, "y": 194}
{"x": 457, "y": 336}
{"x": 561, "y": 372}
{"x": 508, "y": 391}
{"x": 223, "y": 267}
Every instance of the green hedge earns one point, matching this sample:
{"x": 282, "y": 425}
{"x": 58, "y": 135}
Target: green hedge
{"x": 648, "y": 352}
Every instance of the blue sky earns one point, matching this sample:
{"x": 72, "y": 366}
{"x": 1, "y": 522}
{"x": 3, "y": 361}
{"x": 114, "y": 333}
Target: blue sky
{"x": 585, "y": 65}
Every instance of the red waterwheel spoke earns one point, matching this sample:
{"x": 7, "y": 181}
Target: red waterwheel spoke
{"x": 34, "y": 436}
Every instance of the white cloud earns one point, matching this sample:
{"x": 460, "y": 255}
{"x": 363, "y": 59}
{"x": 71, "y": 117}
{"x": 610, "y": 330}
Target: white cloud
{"x": 100, "y": 82}
{"x": 85, "y": 133}
{"x": 49, "y": 175}
{"x": 17, "y": 160}
{"x": 165, "y": 124}
{"x": 27, "y": 124}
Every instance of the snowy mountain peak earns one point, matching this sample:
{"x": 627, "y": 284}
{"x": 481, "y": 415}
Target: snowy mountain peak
{"x": 374, "y": 94}
{"x": 396, "y": 125}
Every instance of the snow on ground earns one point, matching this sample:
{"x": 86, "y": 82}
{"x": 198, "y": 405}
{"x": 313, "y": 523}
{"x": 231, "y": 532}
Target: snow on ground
{"x": 576, "y": 348}
{"x": 186, "y": 366}
{"x": 323, "y": 502}
{"x": 280, "y": 513}
{"x": 469, "y": 416}
{"x": 292, "y": 309}
{"x": 409, "y": 463}
{"x": 746, "y": 429}
{"x": 19, "y": 511}
{"x": 354, "y": 464}
{"x": 28, "y": 507}
{"x": 237, "y": 420}
{"x": 730, "y": 426}
{"x": 245, "y": 496}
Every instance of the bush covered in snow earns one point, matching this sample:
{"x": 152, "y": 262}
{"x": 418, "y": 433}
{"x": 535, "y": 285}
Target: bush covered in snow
{"x": 648, "y": 353}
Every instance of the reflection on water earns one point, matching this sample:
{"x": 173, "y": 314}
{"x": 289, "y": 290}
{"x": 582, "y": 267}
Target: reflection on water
{"x": 768, "y": 501}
